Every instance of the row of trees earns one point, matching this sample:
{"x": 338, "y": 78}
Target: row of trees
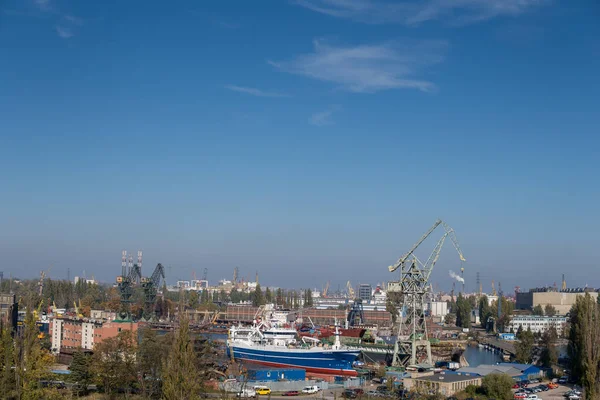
{"x": 548, "y": 310}
{"x": 172, "y": 366}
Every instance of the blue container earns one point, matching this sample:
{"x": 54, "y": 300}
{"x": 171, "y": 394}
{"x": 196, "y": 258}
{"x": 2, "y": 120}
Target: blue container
{"x": 288, "y": 374}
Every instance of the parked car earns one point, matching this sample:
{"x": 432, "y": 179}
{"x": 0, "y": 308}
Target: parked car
{"x": 533, "y": 397}
{"x": 516, "y": 386}
{"x": 349, "y": 394}
{"x": 310, "y": 389}
{"x": 575, "y": 396}
{"x": 520, "y": 396}
{"x": 246, "y": 393}
{"x": 292, "y": 393}
{"x": 552, "y": 385}
{"x": 373, "y": 393}
{"x": 563, "y": 379}
{"x": 382, "y": 389}
{"x": 358, "y": 391}
{"x": 262, "y": 390}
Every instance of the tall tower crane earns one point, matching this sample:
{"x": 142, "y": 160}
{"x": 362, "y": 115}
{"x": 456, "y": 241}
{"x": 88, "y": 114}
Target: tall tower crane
{"x": 412, "y": 345}
{"x": 126, "y": 281}
{"x": 150, "y": 286}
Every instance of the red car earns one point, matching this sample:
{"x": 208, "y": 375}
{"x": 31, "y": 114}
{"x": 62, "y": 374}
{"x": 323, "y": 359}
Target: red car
{"x": 291, "y": 393}
{"x": 520, "y": 395}
{"x": 516, "y": 386}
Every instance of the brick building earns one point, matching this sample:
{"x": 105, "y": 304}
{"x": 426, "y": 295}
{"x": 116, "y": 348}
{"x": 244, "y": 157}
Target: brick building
{"x": 71, "y": 334}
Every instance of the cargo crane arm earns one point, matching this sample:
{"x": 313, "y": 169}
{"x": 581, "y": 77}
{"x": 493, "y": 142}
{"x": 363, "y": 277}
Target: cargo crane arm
{"x": 350, "y": 290}
{"x": 402, "y": 259}
{"x": 433, "y": 257}
{"x": 159, "y": 272}
{"x": 450, "y": 232}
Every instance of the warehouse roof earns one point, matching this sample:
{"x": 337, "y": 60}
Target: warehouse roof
{"x": 443, "y": 377}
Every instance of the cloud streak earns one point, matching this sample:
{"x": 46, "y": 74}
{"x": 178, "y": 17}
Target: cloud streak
{"x": 415, "y": 12}
{"x": 323, "y": 118}
{"x": 368, "y": 68}
{"x": 64, "y": 32}
{"x": 254, "y": 91}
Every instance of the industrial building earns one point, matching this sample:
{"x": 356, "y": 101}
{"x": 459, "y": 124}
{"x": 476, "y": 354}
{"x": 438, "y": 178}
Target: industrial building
{"x": 537, "y": 323}
{"x": 365, "y": 292}
{"x": 561, "y": 300}
{"x": 446, "y": 384}
{"x": 519, "y": 372}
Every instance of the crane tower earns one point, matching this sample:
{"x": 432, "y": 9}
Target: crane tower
{"x": 412, "y": 346}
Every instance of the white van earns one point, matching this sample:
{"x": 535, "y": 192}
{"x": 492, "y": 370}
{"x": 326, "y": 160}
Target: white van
{"x": 247, "y": 393}
{"x": 310, "y": 389}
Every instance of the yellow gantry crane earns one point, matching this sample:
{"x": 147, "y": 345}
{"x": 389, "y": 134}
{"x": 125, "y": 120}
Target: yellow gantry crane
{"x": 350, "y": 290}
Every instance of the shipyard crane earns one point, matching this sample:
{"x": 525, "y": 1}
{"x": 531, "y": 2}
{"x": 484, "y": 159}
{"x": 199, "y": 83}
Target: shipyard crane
{"x": 413, "y": 345}
{"x": 350, "y": 290}
{"x": 324, "y": 294}
{"x": 150, "y": 286}
{"x": 125, "y": 282}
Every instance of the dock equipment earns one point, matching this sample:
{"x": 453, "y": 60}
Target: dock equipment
{"x": 150, "y": 286}
{"x": 412, "y": 346}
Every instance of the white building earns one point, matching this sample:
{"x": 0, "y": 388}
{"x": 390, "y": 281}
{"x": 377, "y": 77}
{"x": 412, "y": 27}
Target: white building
{"x": 537, "y": 323}
{"x": 438, "y": 308}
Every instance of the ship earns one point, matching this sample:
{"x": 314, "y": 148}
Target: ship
{"x": 279, "y": 347}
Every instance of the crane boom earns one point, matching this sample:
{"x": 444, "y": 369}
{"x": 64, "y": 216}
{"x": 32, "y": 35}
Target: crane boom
{"x": 450, "y": 232}
{"x": 402, "y": 259}
{"x": 433, "y": 257}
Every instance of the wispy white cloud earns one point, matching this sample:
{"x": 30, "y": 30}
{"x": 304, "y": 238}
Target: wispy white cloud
{"x": 254, "y": 91}
{"x": 73, "y": 19}
{"x": 43, "y": 5}
{"x": 414, "y": 12}
{"x": 369, "y": 68}
{"x": 323, "y": 118}
{"x": 64, "y": 32}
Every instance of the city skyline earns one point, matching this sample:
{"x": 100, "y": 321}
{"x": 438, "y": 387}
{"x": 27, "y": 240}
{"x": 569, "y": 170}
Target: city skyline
{"x": 308, "y": 140}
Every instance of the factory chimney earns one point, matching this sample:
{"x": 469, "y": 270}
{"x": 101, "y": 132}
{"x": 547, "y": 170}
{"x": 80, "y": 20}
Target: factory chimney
{"x": 563, "y": 288}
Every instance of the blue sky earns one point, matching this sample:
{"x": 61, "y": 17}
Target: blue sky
{"x": 308, "y": 140}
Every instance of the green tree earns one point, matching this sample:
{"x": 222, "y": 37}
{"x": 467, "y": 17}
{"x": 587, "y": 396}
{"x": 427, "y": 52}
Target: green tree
{"x": 308, "y": 298}
{"x": 450, "y": 319}
{"x": 584, "y": 346}
{"x": 268, "y": 296}
{"x": 550, "y": 310}
{"x": 34, "y": 363}
{"x": 205, "y": 297}
{"x": 485, "y": 312}
{"x": 113, "y": 363}
{"x": 538, "y": 310}
{"x": 279, "y": 297}
{"x": 181, "y": 380}
{"x": 497, "y": 386}
{"x": 152, "y": 350}
{"x": 463, "y": 312}
{"x": 549, "y": 356}
{"x": 258, "y": 298}
{"x": 81, "y": 371}
{"x": 8, "y": 382}
{"x": 193, "y": 299}
{"x": 524, "y": 347}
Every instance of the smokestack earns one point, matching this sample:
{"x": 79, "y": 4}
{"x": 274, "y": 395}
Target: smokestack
{"x": 462, "y": 275}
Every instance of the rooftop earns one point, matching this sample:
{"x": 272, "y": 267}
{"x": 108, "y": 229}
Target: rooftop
{"x": 443, "y": 377}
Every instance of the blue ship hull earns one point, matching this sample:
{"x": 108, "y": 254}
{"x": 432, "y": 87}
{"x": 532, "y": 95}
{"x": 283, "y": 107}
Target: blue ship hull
{"x": 330, "y": 362}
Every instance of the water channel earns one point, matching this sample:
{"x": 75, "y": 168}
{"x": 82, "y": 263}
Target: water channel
{"x": 476, "y": 356}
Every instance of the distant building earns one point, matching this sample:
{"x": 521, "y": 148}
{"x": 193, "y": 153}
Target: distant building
{"x": 446, "y": 384}
{"x": 88, "y": 281}
{"x": 518, "y": 372}
{"x": 438, "y": 308}
{"x": 537, "y": 323}
{"x": 9, "y": 309}
{"x": 365, "y": 291}
{"x": 562, "y": 301}
{"x": 72, "y": 334}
